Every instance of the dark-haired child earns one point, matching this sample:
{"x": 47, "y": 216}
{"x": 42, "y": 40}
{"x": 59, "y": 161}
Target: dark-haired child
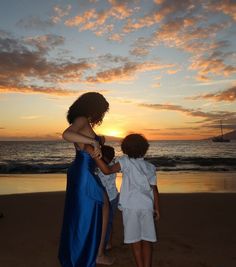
{"x": 139, "y": 197}
{"x": 109, "y": 182}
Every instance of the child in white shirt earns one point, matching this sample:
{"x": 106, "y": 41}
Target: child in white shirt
{"x": 139, "y": 197}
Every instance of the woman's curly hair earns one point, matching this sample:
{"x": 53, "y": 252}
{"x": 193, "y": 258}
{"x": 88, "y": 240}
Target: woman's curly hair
{"x": 91, "y": 105}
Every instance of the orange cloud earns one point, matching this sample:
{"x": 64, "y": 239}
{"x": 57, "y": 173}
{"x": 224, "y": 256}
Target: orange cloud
{"x": 207, "y": 116}
{"x": 203, "y": 78}
{"x": 120, "y": 9}
{"x": 172, "y": 71}
{"x": 139, "y": 51}
{"x": 180, "y": 33}
{"x": 185, "y": 26}
{"x": 45, "y": 42}
{"x": 146, "y": 21}
{"x": 164, "y": 10}
{"x": 225, "y": 95}
{"x": 95, "y": 21}
{"x": 126, "y": 72}
{"x": 60, "y": 12}
{"x": 228, "y": 7}
{"x": 37, "y": 90}
{"x": 116, "y": 37}
{"x": 214, "y": 64}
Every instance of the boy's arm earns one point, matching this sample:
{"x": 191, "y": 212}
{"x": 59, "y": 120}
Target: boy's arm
{"x": 156, "y": 201}
{"x": 105, "y": 168}
{"x": 101, "y": 164}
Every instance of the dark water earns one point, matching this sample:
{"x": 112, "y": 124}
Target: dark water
{"x": 55, "y": 156}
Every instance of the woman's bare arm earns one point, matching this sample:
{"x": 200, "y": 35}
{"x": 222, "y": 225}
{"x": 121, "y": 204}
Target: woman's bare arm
{"x": 71, "y": 134}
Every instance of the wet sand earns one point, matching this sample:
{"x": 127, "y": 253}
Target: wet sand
{"x": 196, "y": 230}
{"x": 168, "y": 182}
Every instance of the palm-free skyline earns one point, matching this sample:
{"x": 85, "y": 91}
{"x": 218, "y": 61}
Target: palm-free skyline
{"x": 166, "y": 67}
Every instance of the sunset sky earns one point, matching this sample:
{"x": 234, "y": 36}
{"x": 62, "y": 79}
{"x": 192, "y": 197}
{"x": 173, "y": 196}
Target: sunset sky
{"x": 167, "y": 67}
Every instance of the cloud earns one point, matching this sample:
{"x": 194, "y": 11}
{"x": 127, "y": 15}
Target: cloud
{"x": 198, "y": 113}
{"x": 225, "y": 95}
{"x": 164, "y": 10}
{"x": 24, "y": 65}
{"x": 139, "y": 51}
{"x": 213, "y": 64}
{"x": 37, "y": 23}
{"x": 126, "y": 72}
{"x": 172, "y": 71}
{"x": 203, "y": 78}
{"x": 30, "y": 117}
{"x": 228, "y": 7}
{"x": 60, "y": 12}
{"x": 99, "y": 21}
{"x": 187, "y": 26}
{"x": 116, "y": 37}
{"x": 37, "y": 90}
{"x": 182, "y": 32}
{"x": 45, "y": 42}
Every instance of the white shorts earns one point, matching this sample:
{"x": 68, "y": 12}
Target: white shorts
{"x": 138, "y": 225}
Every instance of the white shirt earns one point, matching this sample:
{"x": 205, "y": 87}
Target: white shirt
{"x": 138, "y": 176}
{"x": 109, "y": 182}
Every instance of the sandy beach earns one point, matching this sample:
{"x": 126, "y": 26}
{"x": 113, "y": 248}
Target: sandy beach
{"x": 195, "y": 230}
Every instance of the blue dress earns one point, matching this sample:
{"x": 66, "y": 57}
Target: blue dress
{"x": 82, "y": 223}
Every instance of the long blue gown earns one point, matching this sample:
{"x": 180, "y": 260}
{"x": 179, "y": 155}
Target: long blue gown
{"x": 82, "y": 223}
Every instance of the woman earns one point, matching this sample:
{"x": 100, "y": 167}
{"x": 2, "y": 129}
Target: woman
{"x": 82, "y": 224}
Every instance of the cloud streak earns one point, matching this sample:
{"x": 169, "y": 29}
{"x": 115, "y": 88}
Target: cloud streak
{"x": 212, "y": 117}
{"x": 126, "y": 72}
{"x": 228, "y": 95}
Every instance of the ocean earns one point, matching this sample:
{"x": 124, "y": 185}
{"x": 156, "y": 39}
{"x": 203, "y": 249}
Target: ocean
{"x": 55, "y": 156}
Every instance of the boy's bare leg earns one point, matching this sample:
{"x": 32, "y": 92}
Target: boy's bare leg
{"x": 137, "y": 252}
{"x": 109, "y": 243}
{"x": 147, "y": 253}
{"x": 101, "y": 257}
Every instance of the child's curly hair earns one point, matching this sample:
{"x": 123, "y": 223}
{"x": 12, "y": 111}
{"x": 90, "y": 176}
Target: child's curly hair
{"x": 134, "y": 145}
{"x": 108, "y": 153}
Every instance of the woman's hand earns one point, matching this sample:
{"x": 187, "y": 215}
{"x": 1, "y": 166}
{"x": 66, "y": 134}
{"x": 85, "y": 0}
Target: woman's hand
{"x": 97, "y": 153}
{"x": 94, "y": 150}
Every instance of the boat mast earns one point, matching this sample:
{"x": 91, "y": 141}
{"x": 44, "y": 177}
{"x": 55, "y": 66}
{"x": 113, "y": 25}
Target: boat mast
{"x": 221, "y": 128}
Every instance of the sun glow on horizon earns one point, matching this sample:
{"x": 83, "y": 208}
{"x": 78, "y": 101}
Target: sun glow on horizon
{"x": 113, "y": 132}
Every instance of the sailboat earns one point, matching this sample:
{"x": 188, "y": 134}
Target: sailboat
{"x": 221, "y": 137}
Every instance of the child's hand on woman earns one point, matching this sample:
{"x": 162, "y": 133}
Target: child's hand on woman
{"x": 94, "y": 151}
{"x": 97, "y": 153}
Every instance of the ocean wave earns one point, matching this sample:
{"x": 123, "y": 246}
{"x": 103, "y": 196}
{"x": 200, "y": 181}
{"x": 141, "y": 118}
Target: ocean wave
{"x": 200, "y": 161}
{"x": 162, "y": 163}
{"x": 33, "y": 168}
